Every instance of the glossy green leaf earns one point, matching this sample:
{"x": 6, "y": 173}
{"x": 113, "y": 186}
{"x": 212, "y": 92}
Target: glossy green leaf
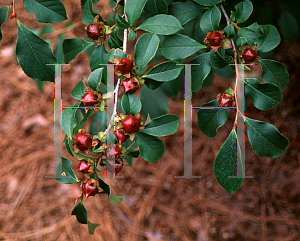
{"x": 274, "y": 72}
{"x": 269, "y": 40}
{"x": 241, "y": 41}
{"x": 79, "y": 90}
{"x": 200, "y": 72}
{"x": 162, "y": 126}
{"x": 179, "y": 47}
{"x": 131, "y": 104}
{"x": 151, "y": 148}
{"x": 74, "y": 46}
{"x": 145, "y": 50}
{"x": 94, "y": 79}
{"x": 88, "y": 14}
{"x": 184, "y": 12}
{"x": 210, "y": 20}
{"x": 161, "y": 24}
{"x": 84, "y": 1}
{"x": 255, "y": 27}
{"x": 243, "y": 11}
{"x": 263, "y": 96}
{"x": 121, "y": 22}
{"x": 115, "y": 53}
{"x": 208, "y": 2}
{"x": 154, "y": 102}
{"x": 229, "y": 31}
{"x": 112, "y": 43}
{"x": 288, "y": 25}
{"x": 69, "y": 120}
{"x": 249, "y": 34}
{"x": 226, "y": 163}
{"x": 133, "y": 10}
{"x": 67, "y": 175}
{"x": 165, "y": 71}
{"x": 3, "y": 17}
{"x": 46, "y": 11}
{"x": 209, "y": 120}
{"x": 265, "y": 139}
{"x": 155, "y": 7}
{"x": 217, "y": 60}
{"x": 33, "y": 54}
{"x": 98, "y": 57}
{"x": 131, "y": 34}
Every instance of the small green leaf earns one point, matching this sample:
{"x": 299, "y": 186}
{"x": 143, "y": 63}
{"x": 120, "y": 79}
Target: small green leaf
{"x": 94, "y": 79}
{"x": 154, "y": 102}
{"x": 210, "y": 20}
{"x": 50, "y": 11}
{"x": 243, "y": 11}
{"x": 249, "y": 34}
{"x": 88, "y": 14}
{"x": 133, "y": 10}
{"x": 79, "y": 90}
{"x": 263, "y": 96}
{"x": 155, "y": 7}
{"x": 112, "y": 43}
{"x": 209, "y": 120}
{"x": 161, "y": 24}
{"x": 116, "y": 53}
{"x": 151, "y": 148}
{"x": 121, "y": 22}
{"x": 269, "y": 40}
{"x": 226, "y": 164}
{"x": 288, "y": 25}
{"x": 81, "y": 213}
{"x": 241, "y": 41}
{"x": 218, "y": 61}
{"x": 131, "y": 104}
{"x": 69, "y": 120}
{"x": 33, "y": 54}
{"x": 74, "y": 46}
{"x": 98, "y": 122}
{"x": 131, "y": 34}
{"x": 200, "y": 72}
{"x": 84, "y": 1}
{"x": 115, "y": 199}
{"x": 208, "y": 2}
{"x": 145, "y": 50}
{"x": 184, "y": 12}
{"x": 179, "y": 47}
{"x": 265, "y": 139}
{"x": 165, "y": 71}
{"x": 98, "y": 57}
{"x": 91, "y": 227}
{"x": 162, "y": 126}
{"x": 274, "y": 72}
{"x": 229, "y": 31}
{"x": 3, "y": 17}
{"x": 68, "y": 176}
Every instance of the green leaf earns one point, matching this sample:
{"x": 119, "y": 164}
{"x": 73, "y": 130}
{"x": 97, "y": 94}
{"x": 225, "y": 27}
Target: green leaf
{"x": 84, "y": 1}
{"x": 265, "y": 139}
{"x": 208, "y": 2}
{"x": 74, "y": 46}
{"x": 161, "y": 24}
{"x": 131, "y": 34}
{"x": 226, "y": 163}
{"x": 145, "y": 49}
{"x": 79, "y": 90}
{"x": 263, "y": 96}
{"x": 33, "y": 54}
{"x": 112, "y": 43}
{"x": 269, "y": 40}
{"x": 98, "y": 122}
{"x": 155, "y": 7}
{"x": 3, "y": 17}
{"x": 121, "y": 22}
{"x": 69, "y": 120}
{"x": 229, "y": 31}
{"x": 94, "y": 79}
{"x": 151, "y": 148}
{"x": 58, "y": 52}
{"x": 98, "y": 57}
{"x": 115, "y": 53}
{"x": 249, "y": 34}
{"x": 88, "y": 14}
{"x": 288, "y": 25}
{"x": 179, "y": 47}
{"x": 217, "y": 61}
{"x": 241, "y": 41}
{"x": 115, "y": 199}
{"x": 200, "y": 72}
{"x": 274, "y": 72}
{"x": 46, "y": 11}
{"x": 165, "y": 71}
{"x": 81, "y": 213}
{"x": 184, "y": 12}
{"x": 162, "y": 126}
{"x": 209, "y": 120}
{"x": 133, "y": 10}
{"x": 154, "y": 102}
{"x": 131, "y": 104}
{"x": 91, "y": 227}
{"x": 243, "y": 11}
{"x": 68, "y": 176}
{"x": 68, "y": 143}
{"x": 210, "y": 20}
